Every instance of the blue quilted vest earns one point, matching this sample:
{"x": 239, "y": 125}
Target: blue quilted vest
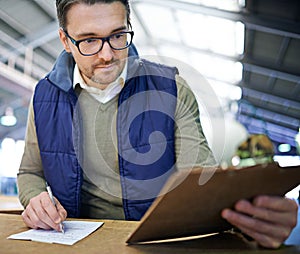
{"x": 145, "y": 131}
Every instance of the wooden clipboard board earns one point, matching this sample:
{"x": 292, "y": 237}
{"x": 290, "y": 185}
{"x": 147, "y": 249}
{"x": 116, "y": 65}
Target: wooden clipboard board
{"x": 191, "y": 209}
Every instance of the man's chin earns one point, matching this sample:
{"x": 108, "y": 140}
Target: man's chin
{"x": 104, "y": 81}
{"x": 105, "y": 78}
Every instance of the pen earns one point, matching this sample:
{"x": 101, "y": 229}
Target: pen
{"x": 54, "y": 203}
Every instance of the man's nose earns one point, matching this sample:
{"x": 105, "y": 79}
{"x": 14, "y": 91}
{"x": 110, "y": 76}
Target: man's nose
{"x": 106, "y": 53}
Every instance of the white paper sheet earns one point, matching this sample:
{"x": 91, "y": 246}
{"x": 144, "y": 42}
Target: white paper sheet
{"x": 74, "y": 231}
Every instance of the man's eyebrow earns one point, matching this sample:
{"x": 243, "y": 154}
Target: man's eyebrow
{"x": 96, "y": 35}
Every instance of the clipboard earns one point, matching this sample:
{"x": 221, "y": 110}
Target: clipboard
{"x": 190, "y": 209}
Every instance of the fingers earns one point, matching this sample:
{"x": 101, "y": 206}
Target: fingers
{"x": 41, "y": 213}
{"x": 262, "y": 238}
{"x": 32, "y": 221}
{"x": 264, "y": 233}
{"x": 273, "y": 214}
{"x": 275, "y": 203}
{"x": 61, "y": 210}
{"x": 268, "y": 220}
{"x": 47, "y": 210}
{"x": 275, "y": 210}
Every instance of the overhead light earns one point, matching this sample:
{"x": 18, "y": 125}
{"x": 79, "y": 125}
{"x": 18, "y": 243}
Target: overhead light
{"x": 284, "y": 148}
{"x": 242, "y": 3}
{"x": 8, "y": 119}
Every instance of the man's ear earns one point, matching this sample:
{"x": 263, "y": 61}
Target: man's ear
{"x": 64, "y": 40}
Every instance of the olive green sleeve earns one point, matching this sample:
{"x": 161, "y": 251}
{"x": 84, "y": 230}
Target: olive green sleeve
{"x": 191, "y": 146}
{"x": 30, "y": 179}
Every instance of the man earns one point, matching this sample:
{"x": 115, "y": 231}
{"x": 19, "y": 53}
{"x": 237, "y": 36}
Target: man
{"x": 105, "y": 131}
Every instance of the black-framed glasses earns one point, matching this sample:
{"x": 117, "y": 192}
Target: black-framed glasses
{"x": 91, "y": 46}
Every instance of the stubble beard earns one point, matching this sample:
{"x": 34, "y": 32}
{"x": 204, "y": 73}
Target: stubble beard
{"x": 107, "y": 78}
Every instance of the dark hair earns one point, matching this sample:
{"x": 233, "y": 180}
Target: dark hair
{"x": 63, "y": 6}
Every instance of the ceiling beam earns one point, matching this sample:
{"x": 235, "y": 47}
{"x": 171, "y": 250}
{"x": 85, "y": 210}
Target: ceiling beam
{"x": 259, "y": 68}
{"x": 41, "y": 37}
{"x": 283, "y": 50}
{"x": 247, "y": 108}
{"x": 40, "y": 66}
{"x": 17, "y": 77}
{"x": 157, "y": 42}
{"x": 249, "y": 64}
{"x": 282, "y": 103}
{"x": 37, "y": 39}
{"x": 33, "y": 40}
{"x": 254, "y": 22}
{"x": 11, "y": 22}
{"x": 47, "y": 6}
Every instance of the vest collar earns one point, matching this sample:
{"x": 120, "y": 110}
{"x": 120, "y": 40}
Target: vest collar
{"x": 62, "y": 72}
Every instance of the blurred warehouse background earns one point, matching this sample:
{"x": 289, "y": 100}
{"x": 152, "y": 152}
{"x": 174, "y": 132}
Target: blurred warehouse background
{"x": 247, "y": 50}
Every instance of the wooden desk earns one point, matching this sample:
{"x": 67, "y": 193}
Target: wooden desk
{"x": 10, "y": 204}
{"x": 110, "y": 239}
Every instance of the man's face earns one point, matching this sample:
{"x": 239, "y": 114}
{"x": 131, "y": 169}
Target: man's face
{"x": 97, "y": 20}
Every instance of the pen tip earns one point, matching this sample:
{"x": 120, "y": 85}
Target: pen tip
{"x": 62, "y": 228}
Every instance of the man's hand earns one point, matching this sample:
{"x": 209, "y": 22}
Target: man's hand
{"x": 268, "y": 220}
{"x": 41, "y": 213}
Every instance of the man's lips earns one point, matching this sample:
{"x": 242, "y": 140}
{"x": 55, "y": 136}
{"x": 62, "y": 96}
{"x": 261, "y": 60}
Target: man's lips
{"x": 106, "y": 66}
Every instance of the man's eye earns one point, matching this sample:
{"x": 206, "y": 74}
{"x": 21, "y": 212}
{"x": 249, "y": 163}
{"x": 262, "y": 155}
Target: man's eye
{"x": 90, "y": 41}
{"x": 117, "y": 36}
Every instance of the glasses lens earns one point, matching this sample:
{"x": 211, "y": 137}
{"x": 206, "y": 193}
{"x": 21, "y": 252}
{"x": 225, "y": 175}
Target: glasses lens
{"x": 90, "y": 46}
{"x": 121, "y": 40}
